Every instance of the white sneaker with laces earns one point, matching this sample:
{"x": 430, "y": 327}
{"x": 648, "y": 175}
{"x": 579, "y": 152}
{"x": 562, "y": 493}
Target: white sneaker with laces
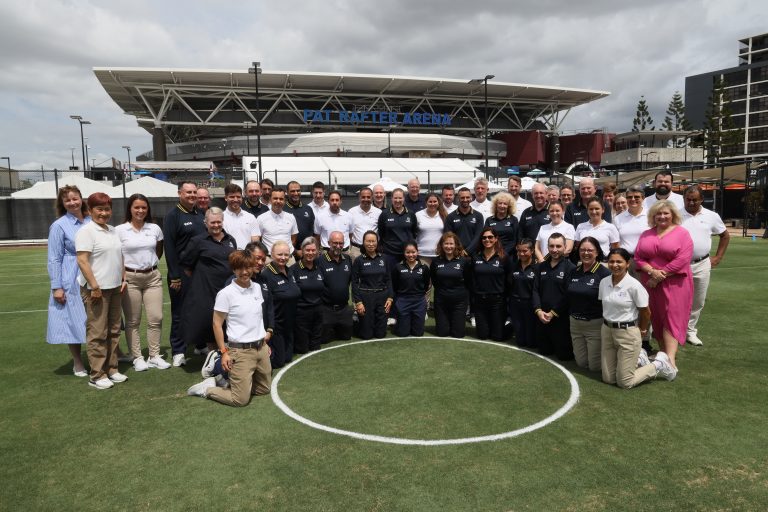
{"x": 694, "y": 340}
{"x": 666, "y": 370}
{"x": 210, "y": 362}
{"x": 118, "y": 377}
{"x": 391, "y": 321}
{"x": 140, "y": 365}
{"x": 642, "y": 358}
{"x": 102, "y": 383}
{"x": 179, "y": 360}
{"x": 158, "y": 362}
{"x": 201, "y": 388}
{"x": 472, "y": 321}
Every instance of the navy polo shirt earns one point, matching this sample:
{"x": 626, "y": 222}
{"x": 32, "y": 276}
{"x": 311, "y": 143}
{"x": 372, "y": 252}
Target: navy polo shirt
{"x": 582, "y": 291}
{"x": 408, "y": 281}
{"x": 531, "y": 221}
{"x": 336, "y": 278}
{"x": 520, "y": 281}
{"x": 370, "y": 274}
{"x": 450, "y": 277}
{"x": 489, "y": 275}
{"x": 179, "y": 227}
{"x": 506, "y": 230}
{"x": 395, "y": 229}
{"x": 305, "y": 221}
{"x": 550, "y": 286}
{"x": 310, "y": 282}
{"x": 467, "y": 226}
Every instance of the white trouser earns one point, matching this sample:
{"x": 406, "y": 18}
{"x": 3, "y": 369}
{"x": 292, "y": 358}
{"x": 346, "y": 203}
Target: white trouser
{"x": 700, "y": 272}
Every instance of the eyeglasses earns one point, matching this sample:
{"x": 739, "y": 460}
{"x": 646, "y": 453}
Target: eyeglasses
{"x": 634, "y": 198}
{"x": 489, "y": 237}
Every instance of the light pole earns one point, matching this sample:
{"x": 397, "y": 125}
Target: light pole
{"x": 87, "y": 147}
{"x": 256, "y": 70}
{"x": 127, "y": 148}
{"x": 646, "y": 155}
{"x": 73, "y": 158}
{"x": 79, "y": 119}
{"x": 484, "y": 81}
{"x": 389, "y": 139}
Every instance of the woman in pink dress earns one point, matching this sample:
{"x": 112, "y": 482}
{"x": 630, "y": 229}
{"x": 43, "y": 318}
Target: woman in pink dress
{"x": 663, "y": 257}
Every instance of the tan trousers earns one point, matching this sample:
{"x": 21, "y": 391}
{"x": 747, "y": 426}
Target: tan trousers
{"x": 585, "y": 336}
{"x": 146, "y": 289}
{"x": 251, "y": 374}
{"x": 619, "y": 357}
{"x": 102, "y": 331}
{"x": 354, "y": 252}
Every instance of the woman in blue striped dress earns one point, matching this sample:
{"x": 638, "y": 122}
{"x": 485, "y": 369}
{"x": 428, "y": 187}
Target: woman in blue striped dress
{"x": 66, "y": 313}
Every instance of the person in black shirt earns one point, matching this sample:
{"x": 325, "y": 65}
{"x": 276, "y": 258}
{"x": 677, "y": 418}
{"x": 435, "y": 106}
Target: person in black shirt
{"x": 308, "y": 331}
{"x": 371, "y": 289}
{"x": 536, "y": 215}
{"x": 465, "y": 222}
{"x": 252, "y": 203}
{"x": 415, "y": 200}
{"x": 180, "y": 225}
{"x": 450, "y": 277}
{"x": 520, "y": 284}
{"x": 489, "y": 269}
{"x": 576, "y": 213}
{"x": 336, "y": 268}
{"x": 397, "y": 225}
{"x": 410, "y": 283}
{"x": 205, "y": 260}
{"x": 305, "y": 216}
{"x": 550, "y": 303}
{"x": 503, "y": 221}
{"x": 586, "y": 310}
{"x": 285, "y": 295}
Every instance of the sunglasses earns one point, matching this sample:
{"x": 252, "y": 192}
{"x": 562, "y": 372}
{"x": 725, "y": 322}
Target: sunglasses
{"x": 490, "y": 237}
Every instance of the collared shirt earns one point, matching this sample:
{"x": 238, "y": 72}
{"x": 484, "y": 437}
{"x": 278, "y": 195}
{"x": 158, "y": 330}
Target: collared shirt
{"x": 245, "y": 312}
{"x": 139, "y": 247}
{"x": 282, "y": 286}
{"x": 179, "y": 227}
{"x": 106, "y": 255}
{"x": 407, "y": 281}
{"x": 255, "y": 209}
{"x": 370, "y": 273}
{"x": 62, "y": 256}
{"x": 310, "y": 282}
{"x": 605, "y": 233}
{"x": 521, "y": 204}
{"x": 328, "y": 222}
{"x": 336, "y": 277}
{"x": 363, "y": 221}
{"x": 576, "y": 213}
{"x": 430, "y": 229}
{"x": 417, "y": 205}
{"x": 550, "y": 285}
{"x": 450, "y": 277}
{"x": 489, "y": 275}
{"x": 520, "y": 281}
{"x": 272, "y": 227}
{"x": 484, "y": 207}
{"x": 467, "y": 226}
{"x": 319, "y": 208}
{"x": 395, "y": 229}
{"x": 583, "y": 290}
{"x": 506, "y": 230}
{"x": 621, "y": 302}
{"x": 531, "y": 221}
{"x": 305, "y": 221}
{"x": 676, "y": 199}
{"x": 702, "y": 226}
{"x": 630, "y": 227}
{"x": 542, "y": 239}
{"x": 450, "y": 209}
{"x": 241, "y": 225}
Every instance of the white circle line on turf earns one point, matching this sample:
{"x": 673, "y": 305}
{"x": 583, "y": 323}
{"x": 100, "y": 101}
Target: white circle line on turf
{"x": 572, "y": 400}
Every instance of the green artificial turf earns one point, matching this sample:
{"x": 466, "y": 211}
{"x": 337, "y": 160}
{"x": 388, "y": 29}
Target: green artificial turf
{"x": 699, "y": 443}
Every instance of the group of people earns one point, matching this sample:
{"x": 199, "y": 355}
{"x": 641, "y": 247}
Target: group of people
{"x": 271, "y": 276}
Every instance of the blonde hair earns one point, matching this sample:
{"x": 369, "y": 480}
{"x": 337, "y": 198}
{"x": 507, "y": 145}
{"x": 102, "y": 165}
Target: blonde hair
{"x": 506, "y": 196}
{"x": 665, "y": 203}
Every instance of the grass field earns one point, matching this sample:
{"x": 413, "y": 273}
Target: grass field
{"x": 698, "y": 443}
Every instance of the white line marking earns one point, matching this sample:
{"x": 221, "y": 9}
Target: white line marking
{"x": 572, "y": 400}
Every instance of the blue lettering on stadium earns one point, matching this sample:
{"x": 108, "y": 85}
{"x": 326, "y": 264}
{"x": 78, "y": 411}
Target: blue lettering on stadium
{"x": 376, "y": 117}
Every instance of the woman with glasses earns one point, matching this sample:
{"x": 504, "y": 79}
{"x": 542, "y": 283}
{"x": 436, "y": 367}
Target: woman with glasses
{"x": 489, "y": 271}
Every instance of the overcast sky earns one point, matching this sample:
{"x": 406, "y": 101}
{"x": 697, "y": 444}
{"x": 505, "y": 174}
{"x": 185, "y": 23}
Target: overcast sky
{"x": 48, "y": 49}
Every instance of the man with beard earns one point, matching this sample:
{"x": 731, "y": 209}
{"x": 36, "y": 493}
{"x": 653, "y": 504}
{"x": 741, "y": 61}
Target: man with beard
{"x": 276, "y": 224}
{"x": 266, "y": 192}
{"x": 335, "y": 219}
{"x": 447, "y": 198}
{"x": 365, "y": 217}
{"x": 514, "y": 186}
{"x": 662, "y": 184}
{"x": 305, "y": 216}
{"x": 237, "y": 222}
{"x": 465, "y": 222}
{"x": 337, "y": 276}
{"x": 318, "y": 204}
{"x": 252, "y": 203}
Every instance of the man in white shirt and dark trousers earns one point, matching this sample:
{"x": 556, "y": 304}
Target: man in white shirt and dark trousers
{"x": 237, "y": 222}
{"x": 365, "y": 217}
{"x": 702, "y": 224}
{"x": 335, "y": 219}
{"x": 514, "y": 186}
{"x": 276, "y": 224}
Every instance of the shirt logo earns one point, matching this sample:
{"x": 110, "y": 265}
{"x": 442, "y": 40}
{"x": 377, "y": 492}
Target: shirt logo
{"x": 346, "y": 268}
{"x": 187, "y": 223}
{"x": 381, "y": 263}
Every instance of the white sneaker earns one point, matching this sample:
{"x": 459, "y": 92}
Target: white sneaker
{"x": 118, "y": 377}
{"x": 202, "y": 351}
{"x": 643, "y": 359}
{"x": 472, "y": 322}
{"x": 179, "y": 360}
{"x": 201, "y": 388}
{"x": 694, "y": 340}
{"x": 140, "y": 365}
{"x": 102, "y": 383}
{"x": 158, "y": 362}
{"x": 391, "y": 321}
{"x": 666, "y": 369}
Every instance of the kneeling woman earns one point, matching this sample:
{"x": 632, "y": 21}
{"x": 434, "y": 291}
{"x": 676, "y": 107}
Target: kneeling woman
{"x": 371, "y": 289}
{"x": 246, "y": 354}
{"x": 625, "y": 319}
{"x": 410, "y": 282}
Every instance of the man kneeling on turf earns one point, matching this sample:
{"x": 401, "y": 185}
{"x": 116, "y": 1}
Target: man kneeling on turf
{"x": 246, "y": 354}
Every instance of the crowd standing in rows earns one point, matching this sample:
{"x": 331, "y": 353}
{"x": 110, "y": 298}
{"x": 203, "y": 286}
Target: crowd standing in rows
{"x": 572, "y": 274}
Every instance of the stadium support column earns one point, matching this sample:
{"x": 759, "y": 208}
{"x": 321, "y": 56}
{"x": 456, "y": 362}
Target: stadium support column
{"x": 158, "y": 144}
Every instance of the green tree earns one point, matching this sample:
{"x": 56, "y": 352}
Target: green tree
{"x": 675, "y": 119}
{"x": 721, "y": 136}
{"x": 643, "y": 120}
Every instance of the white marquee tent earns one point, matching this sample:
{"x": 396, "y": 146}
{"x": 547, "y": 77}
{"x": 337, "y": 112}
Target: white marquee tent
{"x": 47, "y": 189}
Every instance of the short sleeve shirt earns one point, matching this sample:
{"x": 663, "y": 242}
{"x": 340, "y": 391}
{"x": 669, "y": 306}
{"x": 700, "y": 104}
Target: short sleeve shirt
{"x": 620, "y": 302}
{"x": 241, "y": 225}
{"x": 702, "y": 226}
{"x": 139, "y": 247}
{"x": 273, "y": 227}
{"x": 605, "y": 233}
{"x": 363, "y": 221}
{"x": 106, "y": 255}
{"x": 243, "y": 306}
{"x": 542, "y": 239}
{"x": 327, "y": 222}
{"x": 630, "y": 227}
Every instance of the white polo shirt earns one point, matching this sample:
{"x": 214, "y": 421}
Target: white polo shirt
{"x": 484, "y": 207}
{"x": 273, "y": 227}
{"x": 630, "y": 227}
{"x": 242, "y": 226}
{"x": 620, "y": 302}
{"x": 605, "y": 233}
{"x": 449, "y": 209}
{"x": 139, "y": 247}
{"x": 328, "y": 222}
{"x": 363, "y": 221}
{"x": 564, "y": 228}
{"x": 430, "y": 229}
{"x": 319, "y": 209}
{"x": 106, "y": 255}
{"x": 677, "y": 199}
{"x": 702, "y": 226}
{"x": 521, "y": 204}
{"x": 243, "y": 307}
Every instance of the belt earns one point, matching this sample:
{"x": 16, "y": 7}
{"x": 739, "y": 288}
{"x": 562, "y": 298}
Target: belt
{"x": 373, "y": 290}
{"x": 336, "y": 307}
{"x": 254, "y": 344}
{"x": 141, "y": 271}
{"x": 620, "y": 325}
{"x": 583, "y": 318}
{"x": 699, "y": 259}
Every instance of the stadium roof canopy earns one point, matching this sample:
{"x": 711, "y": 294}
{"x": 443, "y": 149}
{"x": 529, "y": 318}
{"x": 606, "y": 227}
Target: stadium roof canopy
{"x": 195, "y": 104}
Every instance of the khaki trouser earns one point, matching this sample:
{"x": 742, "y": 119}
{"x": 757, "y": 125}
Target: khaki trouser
{"x": 354, "y": 252}
{"x": 102, "y": 331}
{"x": 619, "y": 357}
{"x": 146, "y": 289}
{"x": 250, "y": 374}
{"x": 585, "y": 335}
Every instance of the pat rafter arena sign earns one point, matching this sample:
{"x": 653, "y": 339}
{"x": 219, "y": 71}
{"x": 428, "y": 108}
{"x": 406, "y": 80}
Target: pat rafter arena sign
{"x": 376, "y": 117}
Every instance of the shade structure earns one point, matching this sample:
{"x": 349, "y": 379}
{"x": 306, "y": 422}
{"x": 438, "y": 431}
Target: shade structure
{"x": 147, "y": 186}
{"x": 388, "y": 183}
{"x": 47, "y": 189}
